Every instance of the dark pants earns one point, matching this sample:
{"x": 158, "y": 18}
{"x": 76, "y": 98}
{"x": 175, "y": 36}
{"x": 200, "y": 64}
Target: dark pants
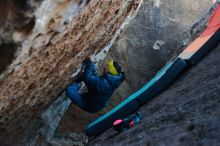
{"x": 80, "y": 100}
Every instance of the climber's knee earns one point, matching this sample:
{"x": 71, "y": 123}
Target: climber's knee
{"x": 73, "y": 87}
{"x": 72, "y": 90}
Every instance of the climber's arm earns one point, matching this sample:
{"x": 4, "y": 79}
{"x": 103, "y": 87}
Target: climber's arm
{"x": 90, "y": 76}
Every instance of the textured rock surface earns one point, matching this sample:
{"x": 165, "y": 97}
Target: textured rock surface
{"x": 16, "y": 17}
{"x": 65, "y": 33}
{"x": 52, "y": 37}
{"x": 47, "y": 134}
{"x": 150, "y": 40}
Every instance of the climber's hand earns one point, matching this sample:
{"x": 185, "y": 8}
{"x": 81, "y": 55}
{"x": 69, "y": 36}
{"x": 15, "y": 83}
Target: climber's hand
{"x": 123, "y": 76}
{"x": 87, "y": 60}
{"x": 105, "y": 70}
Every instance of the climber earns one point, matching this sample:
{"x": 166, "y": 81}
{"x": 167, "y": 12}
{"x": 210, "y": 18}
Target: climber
{"x": 100, "y": 88}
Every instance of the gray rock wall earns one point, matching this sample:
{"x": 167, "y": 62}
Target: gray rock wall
{"x": 152, "y": 38}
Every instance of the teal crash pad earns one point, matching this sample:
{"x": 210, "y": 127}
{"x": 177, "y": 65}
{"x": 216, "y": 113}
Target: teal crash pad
{"x": 131, "y": 104}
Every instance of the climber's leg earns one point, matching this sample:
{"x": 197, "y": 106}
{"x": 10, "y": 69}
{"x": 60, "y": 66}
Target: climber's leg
{"x": 81, "y": 100}
{"x": 86, "y": 104}
{"x": 89, "y": 105}
{"x": 74, "y": 95}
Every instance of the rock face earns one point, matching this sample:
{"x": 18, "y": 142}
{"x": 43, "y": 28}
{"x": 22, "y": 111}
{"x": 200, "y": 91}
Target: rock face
{"x": 157, "y": 32}
{"x": 64, "y": 34}
{"x": 16, "y": 16}
{"x": 46, "y": 42}
{"x": 160, "y": 28}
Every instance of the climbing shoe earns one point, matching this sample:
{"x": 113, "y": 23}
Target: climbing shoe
{"x": 123, "y": 125}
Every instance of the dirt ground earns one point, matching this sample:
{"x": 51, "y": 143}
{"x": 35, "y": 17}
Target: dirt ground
{"x": 188, "y": 113}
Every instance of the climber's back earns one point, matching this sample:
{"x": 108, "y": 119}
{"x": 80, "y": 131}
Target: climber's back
{"x": 100, "y": 88}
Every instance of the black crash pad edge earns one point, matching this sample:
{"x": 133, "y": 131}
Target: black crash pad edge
{"x": 107, "y": 122}
{"x": 164, "y": 82}
{"x": 205, "y": 49}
